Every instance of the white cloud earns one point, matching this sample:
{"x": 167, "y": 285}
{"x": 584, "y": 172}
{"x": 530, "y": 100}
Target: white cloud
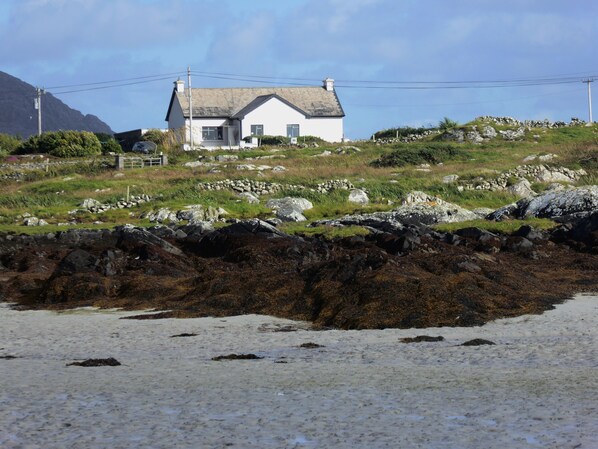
{"x": 48, "y": 29}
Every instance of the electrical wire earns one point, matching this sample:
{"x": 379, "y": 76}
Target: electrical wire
{"x": 115, "y": 81}
{"x": 509, "y": 100}
{"x": 111, "y": 86}
{"x": 547, "y": 80}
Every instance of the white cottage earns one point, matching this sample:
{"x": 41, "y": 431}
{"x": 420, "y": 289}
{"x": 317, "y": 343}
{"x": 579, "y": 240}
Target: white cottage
{"x": 223, "y": 117}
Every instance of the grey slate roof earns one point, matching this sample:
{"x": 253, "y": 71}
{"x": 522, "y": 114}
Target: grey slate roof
{"x": 236, "y": 102}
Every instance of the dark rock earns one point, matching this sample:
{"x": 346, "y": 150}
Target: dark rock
{"x": 236, "y": 357}
{"x": 530, "y": 233}
{"x": 584, "y": 231}
{"x": 519, "y": 244}
{"x": 397, "y": 244}
{"x": 184, "y": 334}
{"x": 468, "y": 266}
{"x": 77, "y": 261}
{"x": 421, "y": 338}
{"x": 8, "y": 357}
{"x": 478, "y": 342}
{"x": 132, "y": 236}
{"x": 96, "y": 362}
{"x": 310, "y": 345}
{"x": 473, "y": 233}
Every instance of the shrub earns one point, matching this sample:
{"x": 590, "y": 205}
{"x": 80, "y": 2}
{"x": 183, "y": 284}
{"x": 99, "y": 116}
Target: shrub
{"x": 430, "y": 154}
{"x": 109, "y": 143}
{"x": 8, "y": 143}
{"x": 273, "y": 140}
{"x": 154, "y": 135}
{"x": 64, "y": 144}
{"x": 446, "y": 124}
{"x": 167, "y": 141}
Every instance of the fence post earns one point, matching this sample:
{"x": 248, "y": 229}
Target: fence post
{"x": 119, "y": 162}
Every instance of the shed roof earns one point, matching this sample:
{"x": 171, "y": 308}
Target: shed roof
{"x": 231, "y": 102}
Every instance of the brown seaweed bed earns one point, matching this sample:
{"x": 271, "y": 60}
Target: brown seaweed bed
{"x": 410, "y": 278}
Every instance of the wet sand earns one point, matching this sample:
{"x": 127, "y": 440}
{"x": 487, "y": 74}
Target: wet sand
{"x": 536, "y": 388}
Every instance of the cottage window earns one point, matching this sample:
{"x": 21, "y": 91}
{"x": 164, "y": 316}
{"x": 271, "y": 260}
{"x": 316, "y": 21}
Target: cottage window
{"x": 211, "y": 132}
{"x": 293, "y": 130}
{"x": 257, "y": 130}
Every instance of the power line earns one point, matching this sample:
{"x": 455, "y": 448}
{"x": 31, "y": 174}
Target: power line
{"x": 405, "y": 85}
{"x": 460, "y": 103}
{"x": 342, "y": 84}
{"x": 111, "y": 86}
{"x": 115, "y": 81}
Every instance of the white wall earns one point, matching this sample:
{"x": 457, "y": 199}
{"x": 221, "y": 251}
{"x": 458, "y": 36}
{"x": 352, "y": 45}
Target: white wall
{"x": 276, "y": 115}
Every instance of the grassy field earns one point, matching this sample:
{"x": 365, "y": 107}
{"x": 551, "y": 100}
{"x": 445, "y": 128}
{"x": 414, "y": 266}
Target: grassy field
{"x": 55, "y": 195}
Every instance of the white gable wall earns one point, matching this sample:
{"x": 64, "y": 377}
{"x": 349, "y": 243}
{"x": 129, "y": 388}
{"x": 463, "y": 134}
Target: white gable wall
{"x": 275, "y": 115}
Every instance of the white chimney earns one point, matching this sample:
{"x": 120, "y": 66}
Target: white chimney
{"x": 329, "y": 84}
{"x": 179, "y": 86}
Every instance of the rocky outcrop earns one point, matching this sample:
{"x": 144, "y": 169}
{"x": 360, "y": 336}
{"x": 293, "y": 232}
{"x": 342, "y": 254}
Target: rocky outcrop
{"x": 193, "y": 214}
{"x": 568, "y": 204}
{"x": 535, "y": 173}
{"x": 290, "y": 209}
{"x": 523, "y": 189}
{"x": 418, "y": 208}
{"x": 547, "y": 124}
{"x": 359, "y": 196}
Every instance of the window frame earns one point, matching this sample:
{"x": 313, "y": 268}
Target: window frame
{"x": 206, "y": 132}
{"x": 254, "y": 128}
{"x": 291, "y": 127}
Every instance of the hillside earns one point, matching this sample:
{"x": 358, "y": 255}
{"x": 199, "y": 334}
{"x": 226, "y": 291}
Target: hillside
{"x": 486, "y": 176}
{"x": 19, "y": 117}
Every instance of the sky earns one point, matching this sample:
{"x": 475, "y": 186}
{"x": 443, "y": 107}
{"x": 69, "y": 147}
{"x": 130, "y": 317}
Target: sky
{"x": 395, "y": 62}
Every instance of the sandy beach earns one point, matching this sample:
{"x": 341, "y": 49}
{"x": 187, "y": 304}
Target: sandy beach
{"x": 535, "y": 388}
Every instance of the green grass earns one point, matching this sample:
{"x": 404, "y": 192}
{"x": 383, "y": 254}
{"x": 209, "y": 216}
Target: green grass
{"x": 51, "y": 195}
{"x": 328, "y": 232}
{"x": 503, "y": 227}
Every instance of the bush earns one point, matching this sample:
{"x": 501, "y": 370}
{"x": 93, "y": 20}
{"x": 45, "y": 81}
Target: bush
{"x": 8, "y": 143}
{"x": 154, "y": 135}
{"x": 64, "y": 144}
{"x": 167, "y": 141}
{"x": 109, "y": 143}
{"x": 430, "y": 154}
{"x": 273, "y": 140}
{"x": 446, "y": 124}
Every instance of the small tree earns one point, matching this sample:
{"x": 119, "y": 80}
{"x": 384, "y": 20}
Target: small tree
{"x": 446, "y": 123}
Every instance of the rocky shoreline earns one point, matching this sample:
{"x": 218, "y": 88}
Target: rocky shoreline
{"x": 395, "y": 277}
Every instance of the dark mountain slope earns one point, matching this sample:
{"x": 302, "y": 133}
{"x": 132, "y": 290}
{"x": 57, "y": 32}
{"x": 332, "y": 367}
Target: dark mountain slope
{"x": 19, "y": 117}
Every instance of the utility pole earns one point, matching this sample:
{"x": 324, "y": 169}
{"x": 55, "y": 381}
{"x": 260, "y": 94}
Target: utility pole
{"x": 589, "y": 82}
{"x": 190, "y": 108}
{"x": 38, "y": 105}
